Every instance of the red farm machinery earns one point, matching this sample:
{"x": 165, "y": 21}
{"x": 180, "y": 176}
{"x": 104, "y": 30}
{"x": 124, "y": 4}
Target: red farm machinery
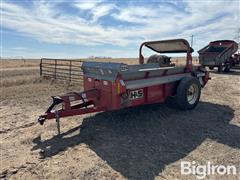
{"x": 112, "y": 86}
{"x": 220, "y": 54}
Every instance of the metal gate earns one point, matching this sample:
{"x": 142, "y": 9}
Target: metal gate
{"x": 62, "y": 69}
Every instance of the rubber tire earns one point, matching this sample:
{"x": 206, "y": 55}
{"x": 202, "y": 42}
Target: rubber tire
{"x": 220, "y": 68}
{"x": 180, "y": 100}
{"x": 211, "y": 67}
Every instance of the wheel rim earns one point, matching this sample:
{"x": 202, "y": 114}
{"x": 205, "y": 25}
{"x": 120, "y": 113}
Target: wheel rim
{"x": 192, "y": 94}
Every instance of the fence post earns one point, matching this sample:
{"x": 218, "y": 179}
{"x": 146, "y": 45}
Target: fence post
{"x": 55, "y": 69}
{"x": 70, "y": 71}
{"x": 41, "y": 67}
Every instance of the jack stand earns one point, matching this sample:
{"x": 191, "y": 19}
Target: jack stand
{"x": 58, "y": 121}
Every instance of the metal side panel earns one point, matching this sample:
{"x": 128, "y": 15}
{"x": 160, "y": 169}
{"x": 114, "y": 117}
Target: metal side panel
{"x": 141, "y": 83}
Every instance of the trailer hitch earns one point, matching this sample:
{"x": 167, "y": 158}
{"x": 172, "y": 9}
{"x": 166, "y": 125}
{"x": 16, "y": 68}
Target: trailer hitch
{"x": 56, "y": 100}
{"x": 42, "y": 119}
{"x": 73, "y": 103}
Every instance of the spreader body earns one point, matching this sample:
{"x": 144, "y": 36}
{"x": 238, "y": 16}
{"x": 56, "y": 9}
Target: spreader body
{"x": 111, "y": 86}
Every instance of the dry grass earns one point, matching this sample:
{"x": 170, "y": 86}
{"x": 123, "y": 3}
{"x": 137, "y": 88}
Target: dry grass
{"x": 17, "y": 63}
{"x": 25, "y": 63}
{"x": 140, "y": 143}
{"x": 13, "y": 77}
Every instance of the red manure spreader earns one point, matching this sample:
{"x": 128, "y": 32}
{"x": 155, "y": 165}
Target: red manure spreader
{"x": 111, "y": 86}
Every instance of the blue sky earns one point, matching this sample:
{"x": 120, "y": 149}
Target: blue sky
{"x": 78, "y": 29}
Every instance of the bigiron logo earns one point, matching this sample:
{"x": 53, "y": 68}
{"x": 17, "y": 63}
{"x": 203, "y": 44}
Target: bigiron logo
{"x": 201, "y": 171}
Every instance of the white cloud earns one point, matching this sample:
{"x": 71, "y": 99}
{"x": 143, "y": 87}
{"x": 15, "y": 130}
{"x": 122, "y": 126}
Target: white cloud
{"x": 135, "y": 14}
{"x": 100, "y": 11}
{"x": 208, "y": 20}
{"x": 96, "y": 9}
{"x": 19, "y": 48}
{"x": 86, "y": 5}
{"x": 53, "y": 28}
{"x": 46, "y": 23}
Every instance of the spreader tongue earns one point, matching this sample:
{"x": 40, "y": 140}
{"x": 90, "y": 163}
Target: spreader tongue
{"x": 56, "y": 100}
{"x": 74, "y": 103}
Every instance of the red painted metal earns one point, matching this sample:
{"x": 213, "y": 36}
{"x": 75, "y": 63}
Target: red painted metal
{"x": 72, "y": 112}
{"x": 106, "y": 95}
{"x": 188, "y": 50}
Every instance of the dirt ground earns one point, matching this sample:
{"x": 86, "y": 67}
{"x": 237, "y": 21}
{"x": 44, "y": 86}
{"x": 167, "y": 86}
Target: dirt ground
{"x": 138, "y": 143}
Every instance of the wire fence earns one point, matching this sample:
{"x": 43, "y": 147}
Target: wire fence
{"x": 62, "y": 69}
